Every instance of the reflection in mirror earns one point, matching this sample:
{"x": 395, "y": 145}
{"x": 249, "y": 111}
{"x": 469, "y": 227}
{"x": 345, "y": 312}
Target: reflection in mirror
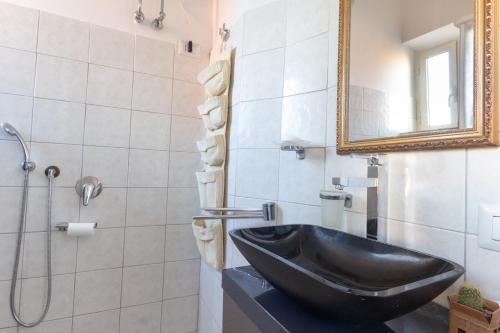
{"x": 410, "y": 67}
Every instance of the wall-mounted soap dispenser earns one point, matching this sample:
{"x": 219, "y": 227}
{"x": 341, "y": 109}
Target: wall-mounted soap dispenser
{"x": 332, "y": 209}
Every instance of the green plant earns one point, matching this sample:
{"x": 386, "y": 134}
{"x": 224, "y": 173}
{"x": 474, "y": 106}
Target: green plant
{"x": 471, "y": 296}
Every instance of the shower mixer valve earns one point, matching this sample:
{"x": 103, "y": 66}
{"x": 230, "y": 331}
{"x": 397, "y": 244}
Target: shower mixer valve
{"x": 88, "y": 188}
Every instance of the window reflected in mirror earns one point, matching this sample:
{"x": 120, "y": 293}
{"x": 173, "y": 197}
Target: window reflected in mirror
{"x": 410, "y": 67}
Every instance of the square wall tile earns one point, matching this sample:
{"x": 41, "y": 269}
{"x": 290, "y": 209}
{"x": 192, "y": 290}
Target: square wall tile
{"x": 180, "y": 243}
{"x": 180, "y": 315}
{"x": 304, "y": 118}
{"x": 334, "y": 44}
{"x": 411, "y": 189}
{"x": 183, "y": 204}
{"x": 17, "y": 69}
{"x": 47, "y": 113}
{"x": 306, "y": 19}
{"x": 263, "y": 75}
{"x": 109, "y": 87}
{"x": 481, "y": 189}
{"x": 100, "y": 211}
{"x": 144, "y": 245}
{"x": 292, "y": 213}
{"x": 148, "y": 168}
{"x": 102, "y": 322}
{"x": 63, "y": 37}
{"x": 34, "y": 260}
{"x": 236, "y": 76}
{"x": 16, "y": 110}
{"x": 152, "y": 93}
{"x": 306, "y": 66}
{"x": 102, "y": 250}
{"x": 438, "y": 242}
{"x": 67, "y": 157}
{"x": 233, "y": 126}
{"x": 146, "y": 206}
{"x": 10, "y": 160}
{"x": 150, "y": 131}
{"x": 331, "y": 118}
{"x": 6, "y": 319}
{"x": 8, "y": 244}
{"x": 61, "y": 79}
{"x": 185, "y": 133}
{"x": 19, "y": 27}
{"x": 264, "y": 28}
{"x": 142, "y": 284}
{"x": 10, "y": 201}
{"x": 110, "y": 165}
{"x": 306, "y": 187}
{"x": 141, "y": 319}
{"x": 186, "y": 98}
{"x": 33, "y": 295}
{"x": 259, "y": 124}
{"x": 257, "y": 173}
{"x": 480, "y": 268}
{"x": 93, "y": 297}
{"x": 111, "y": 48}
{"x": 186, "y": 68}
{"x": 105, "y": 126}
{"x": 154, "y": 57}
{"x": 65, "y": 207}
{"x": 66, "y": 204}
{"x": 183, "y": 167}
{"x": 181, "y": 278}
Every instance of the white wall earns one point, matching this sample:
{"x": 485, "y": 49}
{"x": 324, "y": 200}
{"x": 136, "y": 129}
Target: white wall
{"x": 423, "y": 16}
{"x": 186, "y": 19}
{"x": 428, "y": 200}
{"x": 104, "y": 103}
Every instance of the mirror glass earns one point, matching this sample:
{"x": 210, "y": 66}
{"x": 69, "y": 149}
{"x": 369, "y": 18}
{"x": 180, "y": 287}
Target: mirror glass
{"x": 410, "y": 67}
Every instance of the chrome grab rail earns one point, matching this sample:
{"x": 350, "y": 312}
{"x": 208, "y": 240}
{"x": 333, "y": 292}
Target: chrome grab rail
{"x": 267, "y": 213}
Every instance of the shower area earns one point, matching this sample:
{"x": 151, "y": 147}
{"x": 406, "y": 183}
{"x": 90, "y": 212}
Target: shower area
{"x": 99, "y": 124}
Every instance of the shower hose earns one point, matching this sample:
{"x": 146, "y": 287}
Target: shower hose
{"x": 51, "y": 173}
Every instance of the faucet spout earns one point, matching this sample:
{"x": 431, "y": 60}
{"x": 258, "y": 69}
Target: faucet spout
{"x": 88, "y": 188}
{"x": 88, "y": 191}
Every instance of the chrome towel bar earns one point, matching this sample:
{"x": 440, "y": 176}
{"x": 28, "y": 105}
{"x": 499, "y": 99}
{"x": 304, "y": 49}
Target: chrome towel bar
{"x": 267, "y": 213}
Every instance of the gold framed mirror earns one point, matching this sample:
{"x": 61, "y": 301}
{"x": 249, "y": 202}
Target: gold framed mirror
{"x": 416, "y": 75}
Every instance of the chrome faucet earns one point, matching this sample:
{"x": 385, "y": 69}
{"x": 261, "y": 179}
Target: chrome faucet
{"x": 371, "y": 185}
{"x": 88, "y": 188}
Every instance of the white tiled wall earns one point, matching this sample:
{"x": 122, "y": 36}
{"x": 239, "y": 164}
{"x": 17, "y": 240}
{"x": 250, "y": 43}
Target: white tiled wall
{"x": 120, "y": 107}
{"x": 285, "y": 86}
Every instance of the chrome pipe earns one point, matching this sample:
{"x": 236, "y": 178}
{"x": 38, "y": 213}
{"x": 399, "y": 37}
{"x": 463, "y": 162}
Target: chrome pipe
{"x": 267, "y": 213}
{"x": 158, "y": 22}
{"x": 138, "y": 14}
{"x": 52, "y": 172}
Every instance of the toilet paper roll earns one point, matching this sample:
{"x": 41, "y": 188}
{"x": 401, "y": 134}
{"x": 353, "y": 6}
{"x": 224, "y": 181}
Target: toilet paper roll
{"x": 81, "y": 229}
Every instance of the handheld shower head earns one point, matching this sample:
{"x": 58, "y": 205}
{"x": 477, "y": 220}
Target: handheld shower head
{"x": 11, "y": 130}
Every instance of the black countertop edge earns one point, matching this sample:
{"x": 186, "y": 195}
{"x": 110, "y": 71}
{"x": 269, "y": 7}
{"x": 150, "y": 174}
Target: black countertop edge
{"x": 273, "y": 311}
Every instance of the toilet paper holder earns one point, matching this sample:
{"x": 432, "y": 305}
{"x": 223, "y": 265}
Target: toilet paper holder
{"x": 63, "y": 226}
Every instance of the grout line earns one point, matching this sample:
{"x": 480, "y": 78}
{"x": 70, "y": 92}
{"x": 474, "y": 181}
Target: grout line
{"x": 166, "y": 206}
{"x": 128, "y": 186}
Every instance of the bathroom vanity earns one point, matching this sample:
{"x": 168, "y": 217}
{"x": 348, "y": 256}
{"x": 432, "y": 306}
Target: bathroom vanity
{"x": 252, "y": 305}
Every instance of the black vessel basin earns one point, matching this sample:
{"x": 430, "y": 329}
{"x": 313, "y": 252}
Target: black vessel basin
{"x": 352, "y": 279}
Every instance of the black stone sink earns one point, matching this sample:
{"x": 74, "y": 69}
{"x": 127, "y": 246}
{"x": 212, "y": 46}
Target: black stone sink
{"x": 349, "y": 278}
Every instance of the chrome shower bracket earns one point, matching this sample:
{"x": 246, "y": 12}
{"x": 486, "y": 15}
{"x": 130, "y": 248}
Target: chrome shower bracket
{"x": 138, "y": 14}
{"x": 300, "y": 151}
